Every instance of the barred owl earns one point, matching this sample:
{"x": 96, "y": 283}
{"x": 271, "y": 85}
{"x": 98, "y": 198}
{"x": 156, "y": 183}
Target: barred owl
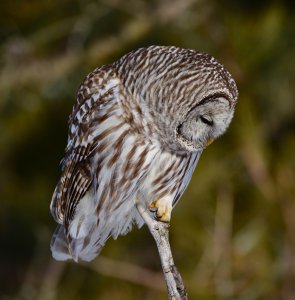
{"x": 136, "y": 133}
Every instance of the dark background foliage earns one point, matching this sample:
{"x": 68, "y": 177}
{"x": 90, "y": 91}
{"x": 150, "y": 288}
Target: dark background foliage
{"x": 233, "y": 233}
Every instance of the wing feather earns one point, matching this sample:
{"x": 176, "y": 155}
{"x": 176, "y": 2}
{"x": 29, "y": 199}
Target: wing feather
{"x": 106, "y": 160}
{"x": 93, "y": 97}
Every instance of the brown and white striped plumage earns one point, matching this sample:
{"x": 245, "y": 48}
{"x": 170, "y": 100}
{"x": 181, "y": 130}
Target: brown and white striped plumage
{"x": 136, "y": 133}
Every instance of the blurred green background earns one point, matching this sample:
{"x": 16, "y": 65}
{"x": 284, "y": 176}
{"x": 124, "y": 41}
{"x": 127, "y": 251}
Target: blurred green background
{"x": 233, "y": 233}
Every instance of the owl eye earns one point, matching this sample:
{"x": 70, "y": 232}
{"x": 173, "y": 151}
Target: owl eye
{"x": 206, "y": 120}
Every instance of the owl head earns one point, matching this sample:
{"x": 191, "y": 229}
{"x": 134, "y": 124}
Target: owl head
{"x": 205, "y": 122}
{"x": 190, "y": 95}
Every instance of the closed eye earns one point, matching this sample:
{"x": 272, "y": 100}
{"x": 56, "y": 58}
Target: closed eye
{"x": 206, "y": 121}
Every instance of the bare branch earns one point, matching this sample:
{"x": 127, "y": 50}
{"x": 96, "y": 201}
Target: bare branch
{"x": 128, "y": 272}
{"x": 52, "y": 276}
{"x": 160, "y": 232}
{"x": 43, "y": 70}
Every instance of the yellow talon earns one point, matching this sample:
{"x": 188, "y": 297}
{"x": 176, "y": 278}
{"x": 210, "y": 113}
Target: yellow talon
{"x": 162, "y": 209}
{"x": 153, "y": 206}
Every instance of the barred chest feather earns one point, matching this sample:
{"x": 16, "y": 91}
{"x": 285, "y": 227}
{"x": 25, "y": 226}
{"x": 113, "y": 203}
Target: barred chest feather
{"x": 140, "y": 172}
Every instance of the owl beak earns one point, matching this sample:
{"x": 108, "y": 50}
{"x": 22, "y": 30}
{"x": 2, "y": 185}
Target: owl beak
{"x": 209, "y": 142}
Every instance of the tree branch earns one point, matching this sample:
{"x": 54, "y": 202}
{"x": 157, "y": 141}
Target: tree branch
{"x": 160, "y": 232}
{"x": 127, "y": 271}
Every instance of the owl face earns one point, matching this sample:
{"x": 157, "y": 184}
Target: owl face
{"x": 204, "y": 123}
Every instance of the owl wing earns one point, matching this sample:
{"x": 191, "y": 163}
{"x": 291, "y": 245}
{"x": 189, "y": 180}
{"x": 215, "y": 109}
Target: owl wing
{"x": 105, "y": 162}
{"x": 94, "y": 98}
{"x": 188, "y": 170}
{"x": 74, "y": 183}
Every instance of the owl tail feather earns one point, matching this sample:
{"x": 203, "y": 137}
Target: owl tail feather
{"x": 59, "y": 246}
{"x": 65, "y": 248}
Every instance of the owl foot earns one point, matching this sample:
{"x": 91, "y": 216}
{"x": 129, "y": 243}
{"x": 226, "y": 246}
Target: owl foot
{"x": 162, "y": 209}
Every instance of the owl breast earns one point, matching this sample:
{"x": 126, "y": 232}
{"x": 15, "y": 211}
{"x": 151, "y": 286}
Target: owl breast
{"x": 168, "y": 177}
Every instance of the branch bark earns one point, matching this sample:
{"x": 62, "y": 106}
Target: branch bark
{"x": 127, "y": 271}
{"x": 160, "y": 233}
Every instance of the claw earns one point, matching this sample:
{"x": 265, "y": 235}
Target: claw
{"x": 162, "y": 210}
